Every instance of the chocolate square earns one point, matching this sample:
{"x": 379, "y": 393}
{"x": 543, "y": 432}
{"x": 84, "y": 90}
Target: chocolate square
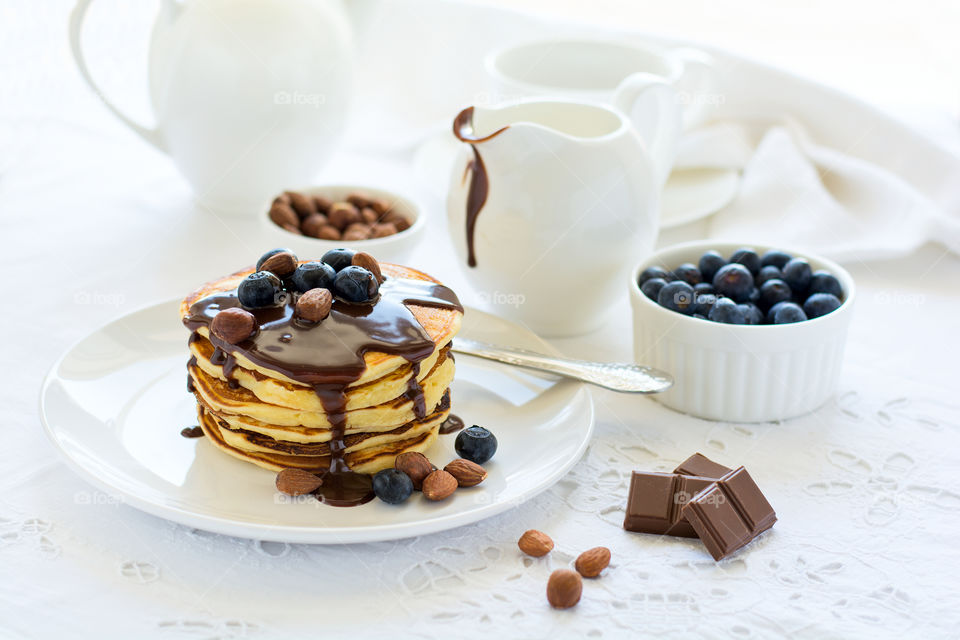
{"x": 729, "y": 514}
{"x": 655, "y": 502}
{"x": 702, "y": 466}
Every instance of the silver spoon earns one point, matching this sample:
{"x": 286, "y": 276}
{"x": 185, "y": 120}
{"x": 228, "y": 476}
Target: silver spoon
{"x": 628, "y": 378}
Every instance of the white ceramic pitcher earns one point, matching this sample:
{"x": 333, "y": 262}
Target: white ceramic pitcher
{"x": 551, "y": 201}
{"x": 249, "y": 96}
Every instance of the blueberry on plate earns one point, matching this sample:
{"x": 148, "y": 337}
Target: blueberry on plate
{"x": 748, "y": 258}
{"x": 710, "y": 263}
{"x": 820, "y": 304}
{"x": 270, "y": 254}
{"x": 727, "y": 311}
{"x": 702, "y": 303}
{"x": 651, "y": 288}
{"x": 339, "y": 259}
{"x": 787, "y": 313}
{"x": 797, "y": 274}
{"x": 654, "y": 272}
{"x": 392, "y": 486}
{"x": 734, "y": 281}
{"x": 355, "y": 284}
{"x": 751, "y": 313}
{"x": 260, "y": 289}
{"x": 778, "y": 259}
{"x": 476, "y": 444}
{"x": 767, "y": 273}
{"x": 689, "y": 273}
{"x": 676, "y": 296}
{"x": 313, "y": 275}
{"x": 825, "y": 282}
{"x": 774, "y": 291}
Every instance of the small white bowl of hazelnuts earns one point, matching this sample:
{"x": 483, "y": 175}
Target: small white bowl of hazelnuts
{"x": 313, "y": 220}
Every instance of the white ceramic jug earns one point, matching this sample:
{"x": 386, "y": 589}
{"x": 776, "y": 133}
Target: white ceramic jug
{"x": 249, "y": 96}
{"x": 551, "y": 201}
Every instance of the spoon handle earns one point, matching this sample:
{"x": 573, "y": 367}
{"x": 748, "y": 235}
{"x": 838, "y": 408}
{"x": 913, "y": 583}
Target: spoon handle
{"x": 627, "y": 378}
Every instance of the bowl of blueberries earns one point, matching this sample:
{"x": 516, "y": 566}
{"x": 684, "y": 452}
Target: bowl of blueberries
{"x": 749, "y": 333}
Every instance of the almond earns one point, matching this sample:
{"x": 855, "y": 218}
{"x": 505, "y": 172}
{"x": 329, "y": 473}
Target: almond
{"x": 282, "y": 214}
{"x": 591, "y": 562}
{"x": 369, "y": 215}
{"x": 328, "y": 232}
{"x": 292, "y": 228}
{"x": 383, "y": 229}
{"x": 312, "y": 225}
{"x": 467, "y": 472}
{"x": 233, "y": 325}
{"x": 280, "y": 264}
{"x": 343, "y": 214}
{"x": 314, "y": 305}
{"x": 564, "y": 588}
{"x": 321, "y": 203}
{"x": 535, "y": 543}
{"x": 368, "y": 262}
{"x": 439, "y": 485}
{"x": 303, "y": 205}
{"x": 296, "y": 482}
{"x": 415, "y": 465}
{"x": 358, "y": 199}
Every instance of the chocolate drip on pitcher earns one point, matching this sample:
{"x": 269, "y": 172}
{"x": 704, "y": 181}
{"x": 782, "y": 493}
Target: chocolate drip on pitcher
{"x": 329, "y": 356}
{"x": 479, "y": 181}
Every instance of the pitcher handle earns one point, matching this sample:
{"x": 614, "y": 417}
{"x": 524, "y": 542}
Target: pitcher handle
{"x": 76, "y": 24}
{"x": 652, "y": 106}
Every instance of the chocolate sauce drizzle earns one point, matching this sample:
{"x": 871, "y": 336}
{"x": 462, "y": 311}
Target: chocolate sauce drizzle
{"x": 479, "y": 181}
{"x": 192, "y": 432}
{"x": 329, "y": 356}
{"x": 451, "y": 425}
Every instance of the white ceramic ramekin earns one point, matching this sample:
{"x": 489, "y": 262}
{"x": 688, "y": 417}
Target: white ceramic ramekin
{"x": 396, "y": 248}
{"x": 740, "y": 373}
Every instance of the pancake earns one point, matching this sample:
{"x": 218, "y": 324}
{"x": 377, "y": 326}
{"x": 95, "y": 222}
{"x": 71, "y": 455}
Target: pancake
{"x": 440, "y": 324}
{"x": 368, "y": 460}
{"x": 315, "y": 426}
{"x": 303, "y": 398}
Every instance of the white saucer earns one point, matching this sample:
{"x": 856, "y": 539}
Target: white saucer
{"x": 115, "y": 403}
{"x": 690, "y": 194}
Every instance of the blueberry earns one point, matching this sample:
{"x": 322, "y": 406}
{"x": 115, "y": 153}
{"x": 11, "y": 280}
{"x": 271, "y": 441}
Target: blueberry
{"x": 748, "y": 258}
{"x": 689, "y": 273}
{"x": 651, "y": 288}
{"x": 339, "y": 259}
{"x": 697, "y": 315}
{"x": 825, "y": 282}
{"x": 788, "y": 312}
{"x": 710, "y": 263}
{"x": 704, "y": 287}
{"x": 476, "y": 444}
{"x": 751, "y": 313}
{"x": 774, "y": 291}
{"x": 820, "y": 304}
{"x": 313, "y": 275}
{"x": 260, "y": 289}
{"x": 392, "y": 486}
{"x": 653, "y": 272}
{"x": 676, "y": 296}
{"x": 772, "y": 311}
{"x": 702, "y": 302}
{"x": 769, "y": 272}
{"x": 272, "y": 253}
{"x": 726, "y": 311}
{"x": 734, "y": 281}
{"x": 797, "y": 274}
{"x": 775, "y": 258}
{"x": 355, "y": 284}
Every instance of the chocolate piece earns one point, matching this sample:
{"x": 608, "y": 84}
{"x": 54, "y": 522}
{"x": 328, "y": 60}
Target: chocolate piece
{"x": 729, "y": 514}
{"x": 656, "y": 500}
{"x": 700, "y": 465}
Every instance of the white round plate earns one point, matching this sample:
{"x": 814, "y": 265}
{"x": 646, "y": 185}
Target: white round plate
{"x": 115, "y": 403}
{"x": 688, "y": 195}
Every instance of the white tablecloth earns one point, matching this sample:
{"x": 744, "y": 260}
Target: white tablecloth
{"x": 95, "y": 224}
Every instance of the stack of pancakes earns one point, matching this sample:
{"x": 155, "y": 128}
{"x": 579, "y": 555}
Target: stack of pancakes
{"x": 261, "y": 415}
